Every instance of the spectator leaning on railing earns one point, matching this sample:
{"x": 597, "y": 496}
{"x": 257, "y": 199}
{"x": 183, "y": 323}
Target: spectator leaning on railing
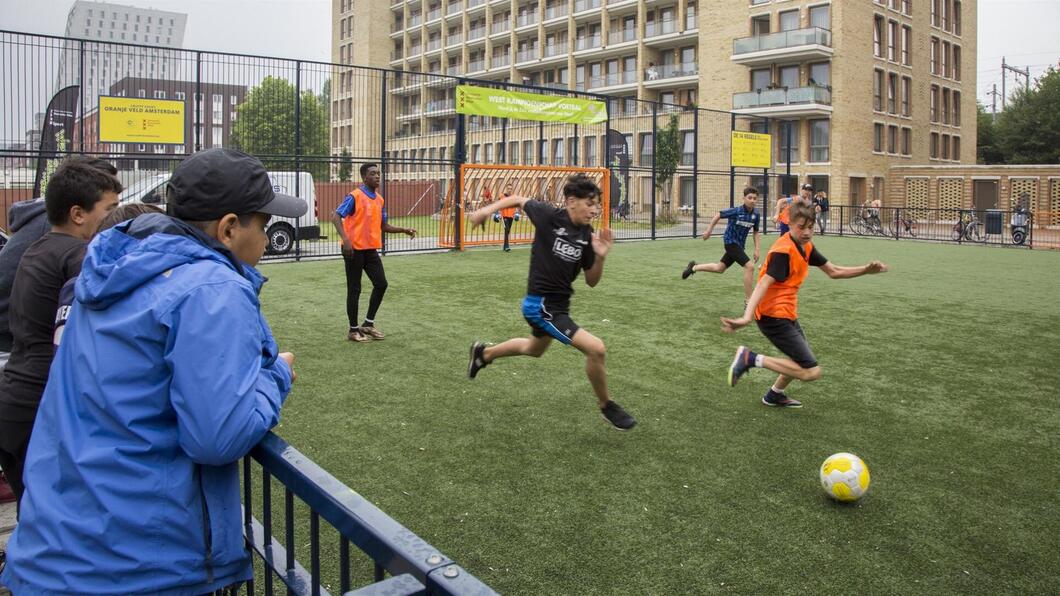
{"x": 167, "y": 374}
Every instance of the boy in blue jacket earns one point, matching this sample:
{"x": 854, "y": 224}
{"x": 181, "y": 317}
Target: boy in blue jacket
{"x": 166, "y": 376}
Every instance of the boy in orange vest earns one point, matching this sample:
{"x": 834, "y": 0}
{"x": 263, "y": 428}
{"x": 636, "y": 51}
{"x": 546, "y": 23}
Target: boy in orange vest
{"x": 508, "y": 216}
{"x": 774, "y": 306}
{"x": 360, "y": 221}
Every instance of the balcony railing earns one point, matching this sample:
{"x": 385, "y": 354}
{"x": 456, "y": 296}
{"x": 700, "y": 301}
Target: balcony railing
{"x": 473, "y": 3}
{"x": 396, "y": 26}
{"x": 499, "y": 27}
{"x": 454, "y": 39}
{"x": 663, "y": 27}
{"x": 782, "y": 97}
{"x": 499, "y": 61}
{"x": 440, "y": 105}
{"x": 554, "y": 12}
{"x": 452, "y": 71}
{"x": 434, "y": 44}
{"x": 621, "y": 36}
{"x": 434, "y": 14}
{"x": 396, "y": 55}
{"x": 629, "y": 76}
{"x": 454, "y": 8}
{"x": 414, "y": 20}
{"x": 782, "y": 39}
{"x": 582, "y": 5}
{"x": 415, "y": 50}
{"x": 476, "y": 65}
{"x": 555, "y": 49}
{"x": 526, "y": 19}
{"x": 526, "y": 55}
{"x": 478, "y": 33}
{"x": 586, "y": 43}
{"x": 669, "y": 71}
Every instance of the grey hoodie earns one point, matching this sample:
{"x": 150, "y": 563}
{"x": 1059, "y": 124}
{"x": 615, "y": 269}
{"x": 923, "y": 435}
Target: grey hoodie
{"x": 27, "y": 222}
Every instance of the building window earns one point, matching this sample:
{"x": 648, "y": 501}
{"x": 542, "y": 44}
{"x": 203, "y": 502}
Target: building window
{"x": 907, "y": 93}
{"x": 892, "y": 139}
{"x": 179, "y": 95}
{"x": 956, "y": 62}
{"x": 934, "y": 55}
{"x": 892, "y": 41}
{"x": 957, "y": 148}
{"x": 557, "y": 152}
{"x": 956, "y": 17}
{"x": 877, "y": 91}
{"x": 907, "y": 143}
{"x": 647, "y": 149}
{"x": 956, "y": 119}
{"x": 789, "y": 20}
{"x": 589, "y": 152}
{"x": 934, "y": 145}
{"x": 820, "y": 16}
{"x": 934, "y": 103}
{"x": 688, "y": 192}
{"x": 688, "y": 148}
{"x": 944, "y": 69}
{"x": 877, "y": 138}
{"x": 877, "y": 37}
{"x": 945, "y": 106}
{"x": 892, "y": 93}
{"x": 907, "y": 45}
{"x": 528, "y": 153}
{"x": 788, "y": 131}
{"x": 819, "y": 140}
{"x": 160, "y": 94}
{"x": 945, "y": 146}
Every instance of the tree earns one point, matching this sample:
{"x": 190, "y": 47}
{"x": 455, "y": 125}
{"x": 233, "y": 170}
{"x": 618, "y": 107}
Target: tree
{"x": 345, "y": 165}
{"x": 989, "y": 152}
{"x": 667, "y": 158}
{"x": 1028, "y": 131}
{"x": 265, "y": 127}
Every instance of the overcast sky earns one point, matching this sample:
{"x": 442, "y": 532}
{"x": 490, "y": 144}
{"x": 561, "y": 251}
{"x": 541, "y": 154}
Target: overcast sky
{"x": 1024, "y": 31}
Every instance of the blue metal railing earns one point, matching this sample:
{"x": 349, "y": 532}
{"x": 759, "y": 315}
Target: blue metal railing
{"x": 414, "y": 566}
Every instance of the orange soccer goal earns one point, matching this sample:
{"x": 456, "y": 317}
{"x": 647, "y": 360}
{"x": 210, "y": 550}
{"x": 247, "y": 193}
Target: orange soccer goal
{"x": 482, "y": 184}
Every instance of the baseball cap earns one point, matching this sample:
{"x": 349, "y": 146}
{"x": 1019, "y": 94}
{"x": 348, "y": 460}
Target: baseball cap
{"x": 213, "y": 183}
{"x": 808, "y": 187}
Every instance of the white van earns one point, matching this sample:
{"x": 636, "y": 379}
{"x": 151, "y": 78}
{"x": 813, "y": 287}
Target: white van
{"x": 282, "y": 230}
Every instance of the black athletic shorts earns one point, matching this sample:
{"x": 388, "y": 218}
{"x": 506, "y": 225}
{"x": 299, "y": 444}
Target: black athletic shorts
{"x": 787, "y": 336}
{"x": 734, "y": 253}
{"x": 549, "y": 317}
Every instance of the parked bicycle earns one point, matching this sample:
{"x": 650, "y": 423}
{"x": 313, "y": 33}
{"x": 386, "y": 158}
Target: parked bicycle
{"x": 968, "y": 227}
{"x": 907, "y": 223}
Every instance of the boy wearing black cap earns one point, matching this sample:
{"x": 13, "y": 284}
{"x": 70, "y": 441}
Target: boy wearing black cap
{"x": 166, "y": 376}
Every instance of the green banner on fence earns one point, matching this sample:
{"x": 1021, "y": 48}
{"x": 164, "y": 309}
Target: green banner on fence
{"x": 481, "y": 101}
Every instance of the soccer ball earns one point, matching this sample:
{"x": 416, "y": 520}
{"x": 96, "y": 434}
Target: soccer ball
{"x": 845, "y": 477}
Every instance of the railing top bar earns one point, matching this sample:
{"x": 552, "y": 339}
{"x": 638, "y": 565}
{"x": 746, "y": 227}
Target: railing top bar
{"x": 395, "y": 547}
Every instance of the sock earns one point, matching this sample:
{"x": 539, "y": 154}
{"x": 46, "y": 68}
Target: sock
{"x": 758, "y": 358}
{"x": 368, "y": 323}
{"x": 354, "y": 328}
{"x": 775, "y": 390}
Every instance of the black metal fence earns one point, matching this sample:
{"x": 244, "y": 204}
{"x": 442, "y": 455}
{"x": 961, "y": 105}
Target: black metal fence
{"x": 314, "y": 123}
{"x": 960, "y": 226}
{"x": 388, "y": 558}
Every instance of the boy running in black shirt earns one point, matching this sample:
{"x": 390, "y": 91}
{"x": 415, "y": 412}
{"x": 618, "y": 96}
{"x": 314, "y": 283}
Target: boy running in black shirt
{"x": 564, "y": 245}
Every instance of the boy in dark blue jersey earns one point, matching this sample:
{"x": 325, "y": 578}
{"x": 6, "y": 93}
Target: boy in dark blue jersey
{"x": 564, "y": 245}
{"x": 742, "y": 219}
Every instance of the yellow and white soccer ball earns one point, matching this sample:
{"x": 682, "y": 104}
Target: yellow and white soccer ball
{"x": 845, "y": 477}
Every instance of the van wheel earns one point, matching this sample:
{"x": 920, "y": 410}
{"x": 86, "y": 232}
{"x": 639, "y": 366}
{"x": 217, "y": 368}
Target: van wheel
{"x": 281, "y": 238}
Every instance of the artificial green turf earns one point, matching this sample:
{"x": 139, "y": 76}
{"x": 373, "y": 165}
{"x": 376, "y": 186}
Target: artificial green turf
{"x": 942, "y": 374}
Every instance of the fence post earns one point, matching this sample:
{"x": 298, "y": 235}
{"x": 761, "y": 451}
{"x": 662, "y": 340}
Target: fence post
{"x": 198, "y": 101}
{"x": 382, "y": 144}
{"x": 459, "y": 156}
{"x": 897, "y": 221}
{"x": 695, "y": 172}
{"x": 842, "y": 217}
{"x": 732, "y": 170}
{"x": 654, "y": 139}
{"x": 81, "y": 91}
{"x": 298, "y": 148}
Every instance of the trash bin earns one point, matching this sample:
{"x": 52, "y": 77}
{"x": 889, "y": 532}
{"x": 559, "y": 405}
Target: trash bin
{"x": 993, "y": 221}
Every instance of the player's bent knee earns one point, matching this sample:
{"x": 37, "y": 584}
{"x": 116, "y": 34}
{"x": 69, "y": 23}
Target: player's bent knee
{"x": 810, "y": 374}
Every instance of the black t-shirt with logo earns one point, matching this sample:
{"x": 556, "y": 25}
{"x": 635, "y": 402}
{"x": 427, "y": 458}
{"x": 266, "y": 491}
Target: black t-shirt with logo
{"x": 561, "y": 250}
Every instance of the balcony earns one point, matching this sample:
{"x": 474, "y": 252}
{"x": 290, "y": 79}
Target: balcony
{"x": 790, "y": 102}
{"x": 499, "y": 28}
{"x": 525, "y": 20}
{"x": 500, "y": 61}
{"x": 621, "y": 36}
{"x": 415, "y": 20}
{"x": 556, "y": 49}
{"x": 656, "y": 28}
{"x": 454, "y": 39}
{"x": 440, "y": 107}
{"x": 475, "y": 6}
{"x": 415, "y": 51}
{"x": 795, "y": 45}
{"x": 587, "y": 43}
{"x": 475, "y": 34}
{"x": 409, "y": 114}
{"x": 526, "y": 56}
{"x": 584, "y": 5}
{"x": 614, "y": 82}
{"x": 555, "y": 12}
{"x": 476, "y": 65}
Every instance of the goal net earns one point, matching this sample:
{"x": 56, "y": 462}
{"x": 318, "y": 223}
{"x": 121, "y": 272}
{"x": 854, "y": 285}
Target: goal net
{"x": 483, "y": 184}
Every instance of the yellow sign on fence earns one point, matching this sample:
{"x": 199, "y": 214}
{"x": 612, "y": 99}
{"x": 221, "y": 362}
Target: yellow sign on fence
{"x": 751, "y": 150}
{"x": 481, "y": 101}
{"x": 140, "y": 120}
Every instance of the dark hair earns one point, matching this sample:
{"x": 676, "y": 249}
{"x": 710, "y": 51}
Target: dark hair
{"x": 581, "y": 186}
{"x": 78, "y": 181}
{"x": 125, "y": 212}
{"x": 750, "y": 190}
{"x": 802, "y": 211}
{"x": 364, "y": 168}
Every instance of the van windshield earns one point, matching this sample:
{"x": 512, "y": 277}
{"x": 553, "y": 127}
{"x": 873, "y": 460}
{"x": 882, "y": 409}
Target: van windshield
{"x": 141, "y": 187}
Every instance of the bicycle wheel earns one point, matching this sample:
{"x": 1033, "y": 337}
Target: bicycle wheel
{"x": 974, "y": 233}
{"x": 858, "y": 226}
{"x": 958, "y": 231}
{"x": 910, "y": 228}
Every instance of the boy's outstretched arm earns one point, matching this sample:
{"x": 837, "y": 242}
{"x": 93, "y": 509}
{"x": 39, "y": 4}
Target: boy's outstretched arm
{"x": 730, "y": 325}
{"x": 838, "y": 272}
{"x": 710, "y": 228}
{"x": 602, "y": 243}
{"x": 757, "y": 245}
{"x": 480, "y": 215}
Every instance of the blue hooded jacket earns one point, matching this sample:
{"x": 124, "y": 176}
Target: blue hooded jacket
{"x": 167, "y": 374}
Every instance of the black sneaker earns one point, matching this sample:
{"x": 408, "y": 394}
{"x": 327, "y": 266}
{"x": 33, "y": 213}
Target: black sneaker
{"x": 741, "y": 363}
{"x": 477, "y": 362}
{"x": 688, "y": 270}
{"x": 618, "y": 417}
{"x": 779, "y": 400}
